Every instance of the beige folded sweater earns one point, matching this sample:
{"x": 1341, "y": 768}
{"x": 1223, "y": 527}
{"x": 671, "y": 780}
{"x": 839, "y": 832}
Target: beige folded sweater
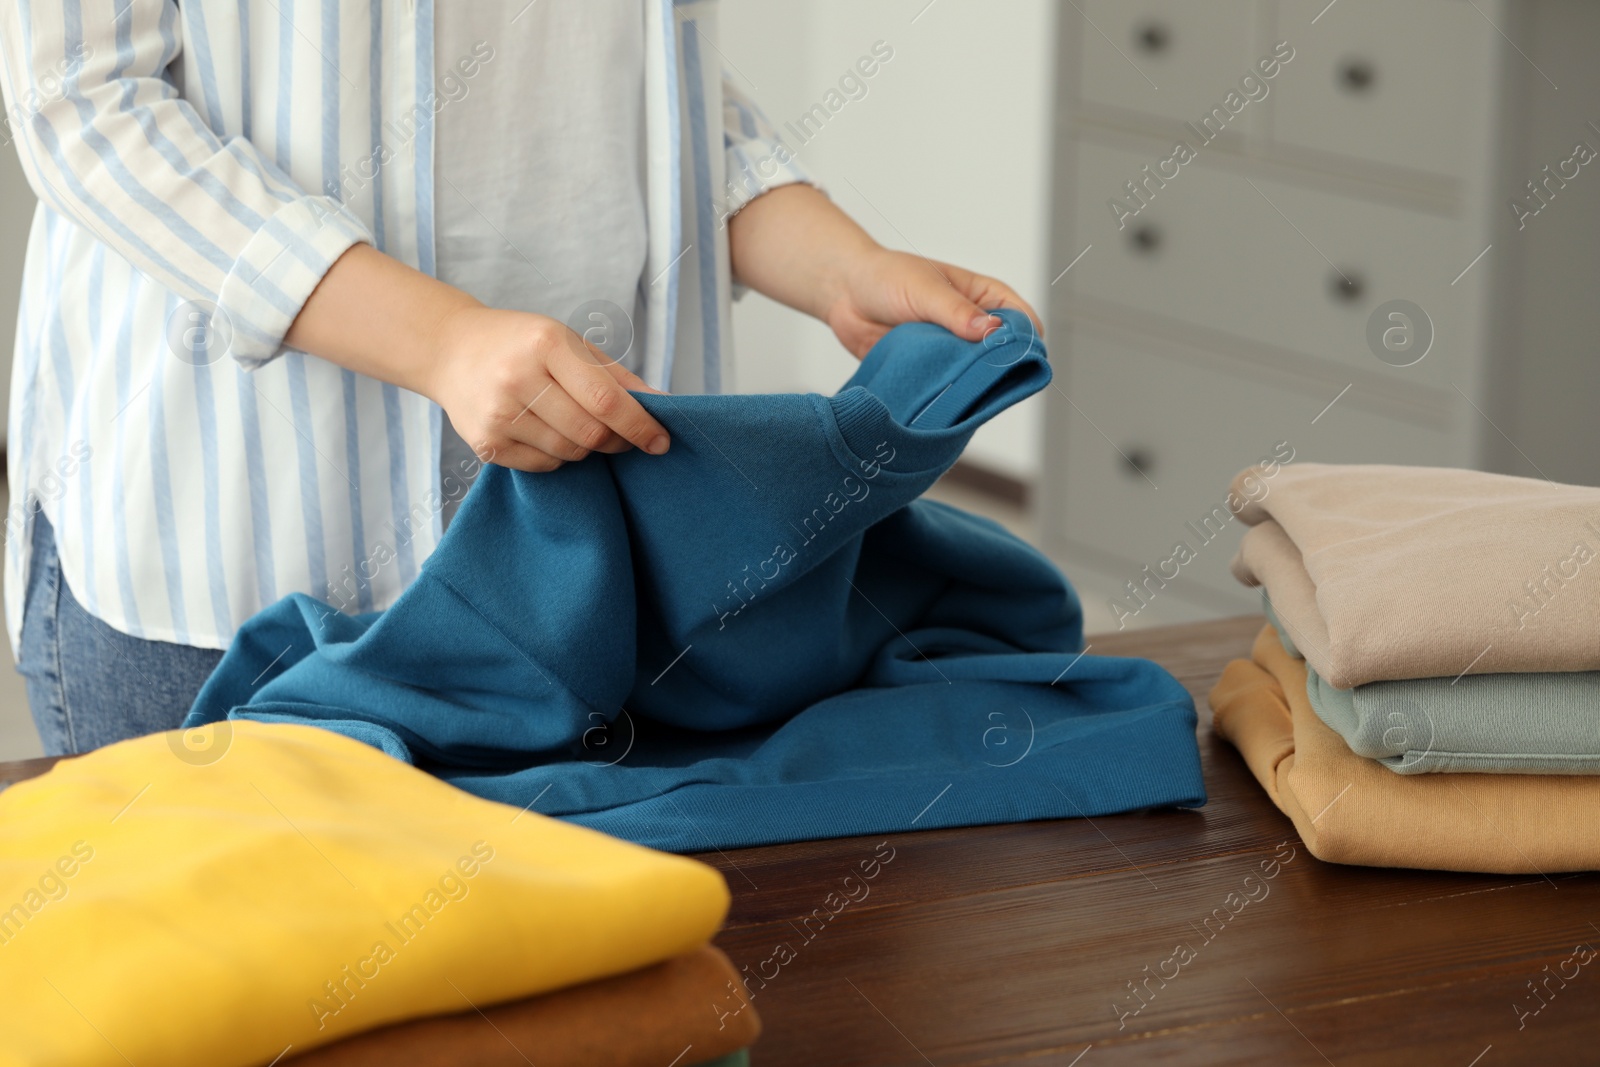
{"x": 1349, "y": 809}
{"x": 1383, "y": 572}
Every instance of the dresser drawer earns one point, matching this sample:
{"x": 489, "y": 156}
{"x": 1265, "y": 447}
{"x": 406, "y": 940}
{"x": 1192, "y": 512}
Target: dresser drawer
{"x": 1212, "y": 249}
{"x": 1151, "y": 442}
{"x": 1171, "y": 60}
{"x": 1401, "y": 84}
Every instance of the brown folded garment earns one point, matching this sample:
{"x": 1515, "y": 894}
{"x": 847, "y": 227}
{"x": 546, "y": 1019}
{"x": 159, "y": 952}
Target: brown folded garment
{"x": 686, "y": 1010}
{"x": 1383, "y": 572}
{"x": 1350, "y": 809}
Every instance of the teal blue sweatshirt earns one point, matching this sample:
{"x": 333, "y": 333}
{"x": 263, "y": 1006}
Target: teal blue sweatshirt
{"x": 761, "y": 636}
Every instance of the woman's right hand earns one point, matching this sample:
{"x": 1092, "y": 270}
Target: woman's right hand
{"x": 525, "y": 391}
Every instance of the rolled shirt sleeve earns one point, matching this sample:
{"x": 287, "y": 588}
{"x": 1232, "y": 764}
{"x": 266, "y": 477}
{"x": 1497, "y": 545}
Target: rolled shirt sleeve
{"x": 107, "y": 141}
{"x": 758, "y": 158}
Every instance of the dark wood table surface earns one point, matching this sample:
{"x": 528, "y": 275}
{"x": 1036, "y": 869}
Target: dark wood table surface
{"x": 1016, "y": 944}
{"x": 1022, "y": 944}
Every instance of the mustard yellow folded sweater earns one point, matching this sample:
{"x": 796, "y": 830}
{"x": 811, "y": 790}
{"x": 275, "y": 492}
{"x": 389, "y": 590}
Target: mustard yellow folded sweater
{"x": 222, "y": 896}
{"x": 1350, "y": 809}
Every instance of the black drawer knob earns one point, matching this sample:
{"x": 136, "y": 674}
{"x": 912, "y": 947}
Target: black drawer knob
{"x": 1146, "y": 238}
{"x": 1347, "y": 286}
{"x": 1357, "y": 75}
{"x": 1137, "y": 461}
{"x": 1152, "y": 37}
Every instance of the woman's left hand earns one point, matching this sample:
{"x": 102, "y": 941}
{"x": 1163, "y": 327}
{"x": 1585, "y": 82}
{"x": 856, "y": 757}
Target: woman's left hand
{"x": 795, "y": 245}
{"x": 883, "y": 288}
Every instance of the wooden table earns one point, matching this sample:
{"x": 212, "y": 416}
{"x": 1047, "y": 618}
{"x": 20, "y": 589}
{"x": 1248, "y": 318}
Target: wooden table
{"x": 1022, "y": 944}
{"x": 1016, "y": 944}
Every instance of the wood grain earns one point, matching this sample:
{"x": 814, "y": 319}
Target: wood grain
{"x": 1020, "y": 944}
{"x": 1015, "y": 944}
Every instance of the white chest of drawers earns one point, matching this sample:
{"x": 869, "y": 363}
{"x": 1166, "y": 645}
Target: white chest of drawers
{"x": 1242, "y": 189}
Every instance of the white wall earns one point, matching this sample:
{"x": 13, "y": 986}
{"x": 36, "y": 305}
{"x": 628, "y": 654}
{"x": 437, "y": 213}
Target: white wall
{"x": 18, "y": 739}
{"x": 946, "y": 155}
{"x": 16, "y": 213}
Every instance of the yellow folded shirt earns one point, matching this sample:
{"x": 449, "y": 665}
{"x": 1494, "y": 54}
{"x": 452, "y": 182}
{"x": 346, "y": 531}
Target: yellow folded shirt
{"x": 219, "y": 896}
{"x": 1350, "y": 809}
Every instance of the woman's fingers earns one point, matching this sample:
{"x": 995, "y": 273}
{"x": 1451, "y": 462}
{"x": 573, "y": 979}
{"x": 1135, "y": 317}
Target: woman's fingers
{"x": 561, "y": 426}
{"x": 533, "y": 395}
{"x": 522, "y": 457}
{"x": 989, "y": 292}
{"x": 1004, "y": 297}
{"x": 631, "y": 381}
{"x": 949, "y": 305}
{"x": 598, "y": 391}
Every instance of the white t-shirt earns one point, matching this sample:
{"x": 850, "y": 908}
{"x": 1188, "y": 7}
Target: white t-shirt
{"x": 540, "y": 160}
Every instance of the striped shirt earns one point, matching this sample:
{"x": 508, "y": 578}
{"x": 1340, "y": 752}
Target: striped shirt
{"x": 202, "y": 166}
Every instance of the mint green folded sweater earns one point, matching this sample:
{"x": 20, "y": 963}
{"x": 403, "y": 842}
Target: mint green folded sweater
{"x": 1537, "y": 723}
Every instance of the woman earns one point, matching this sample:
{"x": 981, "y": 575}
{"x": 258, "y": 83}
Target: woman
{"x": 293, "y": 257}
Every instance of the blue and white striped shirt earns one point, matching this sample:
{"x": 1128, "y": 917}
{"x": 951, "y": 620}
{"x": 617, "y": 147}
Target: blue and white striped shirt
{"x": 201, "y": 156}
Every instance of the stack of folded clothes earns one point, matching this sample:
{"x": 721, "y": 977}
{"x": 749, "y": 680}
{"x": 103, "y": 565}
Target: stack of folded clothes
{"x": 253, "y": 893}
{"x": 1427, "y": 691}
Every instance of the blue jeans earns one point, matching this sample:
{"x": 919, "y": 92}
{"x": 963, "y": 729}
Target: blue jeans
{"x": 89, "y": 684}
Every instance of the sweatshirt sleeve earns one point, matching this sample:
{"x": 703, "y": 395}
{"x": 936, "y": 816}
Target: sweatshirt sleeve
{"x": 758, "y": 159}
{"x": 106, "y": 140}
